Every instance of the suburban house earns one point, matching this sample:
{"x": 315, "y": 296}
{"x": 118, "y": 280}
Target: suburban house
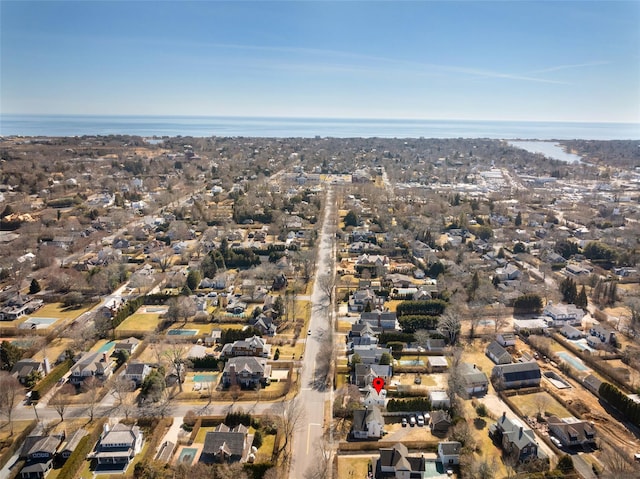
{"x": 475, "y": 381}
{"x": 570, "y": 332}
{"x": 137, "y": 372}
{"x": 515, "y": 438}
{"x": 437, "y": 364}
{"x": 118, "y": 445}
{"x": 70, "y": 444}
{"x": 374, "y": 398}
{"x": 562, "y": 314}
{"x": 96, "y": 365}
{"x": 572, "y": 432}
{"x": 395, "y": 463}
{"x": 449, "y": 453}
{"x": 226, "y": 444}
{"x": 384, "y": 320}
{"x": 364, "y": 298}
{"x": 265, "y": 325}
{"x": 602, "y": 335}
{"x": 25, "y": 367}
{"x": 506, "y": 339}
{"x": 439, "y": 400}
{"x": 213, "y": 338}
{"x": 362, "y": 328}
{"x": 247, "y": 372}
{"x": 377, "y": 264}
{"x": 129, "y": 345}
{"x": 364, "y": 373}
{"x": 497, "y": 353}
{"x": 38, "y": 453}
{"x": 369, "y": 354}
{"x": 516, "y": 375}
{"x": 592, "y": 383}
{"x": 435, "y": 345}
{"x": 368, "y": 423}
{"x": 254, "y": 346}
{"x": 439, "y": 422}
{"x": 508, "y": 273}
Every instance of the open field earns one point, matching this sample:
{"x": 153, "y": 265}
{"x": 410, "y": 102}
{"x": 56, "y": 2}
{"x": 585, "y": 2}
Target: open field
{"x": 139, "y": 321}
{"x": 532, "y": 404}
{"x": 58, "y": 311}
{"x": 353, "y": 466}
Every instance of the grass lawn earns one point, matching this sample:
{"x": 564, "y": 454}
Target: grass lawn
{"x": 54, "y": 349}
{"x": 146, "y": 322}
{"x": 530, "y": 404}
{"x": 202, "y": 432}
{"x": 353, "y": 467}
{"x": 58, "y": 311}
{"x": 344, "y": 326}
{"x": 266, "y": 450}
{"x": 286, "y": 350}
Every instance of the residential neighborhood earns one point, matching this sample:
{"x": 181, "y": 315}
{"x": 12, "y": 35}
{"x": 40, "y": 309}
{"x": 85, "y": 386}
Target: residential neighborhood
{"x": 261, "y": 308}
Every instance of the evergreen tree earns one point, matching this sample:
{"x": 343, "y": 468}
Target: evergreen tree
{"x": 581, "y": 299}
{"x": 518, "y": 220}
{"x": 34, "y": 287}
{"x": 569, "y": 290}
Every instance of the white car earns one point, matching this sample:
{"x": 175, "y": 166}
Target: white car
{"x": 420, "y": 420}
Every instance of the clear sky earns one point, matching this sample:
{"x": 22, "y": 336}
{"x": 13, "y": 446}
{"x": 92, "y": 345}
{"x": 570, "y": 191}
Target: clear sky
{"x": 506, "y": 60}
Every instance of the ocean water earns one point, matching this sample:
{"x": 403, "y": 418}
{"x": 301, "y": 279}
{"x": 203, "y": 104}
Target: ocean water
{"x": 548, "y": 149}
{"x": 206, "y": 126}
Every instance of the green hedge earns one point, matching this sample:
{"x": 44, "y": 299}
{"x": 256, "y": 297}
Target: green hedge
{"x": 45, "y": 385}
{"x": 74, "y": 465}
{"x": 410, "y": 405}
{"x": 623, "y": 403}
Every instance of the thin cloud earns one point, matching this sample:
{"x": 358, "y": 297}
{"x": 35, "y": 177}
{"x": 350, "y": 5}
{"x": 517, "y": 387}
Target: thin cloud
{"x": 571, "y": 66}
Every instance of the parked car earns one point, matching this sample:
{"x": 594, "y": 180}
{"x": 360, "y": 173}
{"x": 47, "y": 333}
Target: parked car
{"x": 417, "y": 380}
{"x": 420, "y": 420}
{"x": 412, "y": 421}
{"x": 404, "y": 422}
{"x": 556, "y": 441}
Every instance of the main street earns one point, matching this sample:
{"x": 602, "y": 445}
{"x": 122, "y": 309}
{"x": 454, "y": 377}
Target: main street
{"x": 308, "y": 436}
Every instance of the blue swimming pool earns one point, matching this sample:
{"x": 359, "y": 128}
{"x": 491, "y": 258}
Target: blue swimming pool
{"x": 187, "y": 455}
{"x": 106, "y": 347}
{"x": 205, "y": 378}
{"x": 411, "y": 362}
{"x": 573, "y": 362}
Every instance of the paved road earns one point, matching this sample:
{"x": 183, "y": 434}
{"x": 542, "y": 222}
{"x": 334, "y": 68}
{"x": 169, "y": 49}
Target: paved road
{"x": 308, "y": 437}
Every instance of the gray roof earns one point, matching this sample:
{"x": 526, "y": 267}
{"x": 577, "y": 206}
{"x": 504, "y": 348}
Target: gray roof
{"x": 518, "y": 371}
{"x": 494, "y": 348}
{"x": 363, "y": 416}
{"x": 231, "y": 440}
{"x": 120, "y": 434}
{"x": 450, "y": 448}
{"x": 71, "y": 443}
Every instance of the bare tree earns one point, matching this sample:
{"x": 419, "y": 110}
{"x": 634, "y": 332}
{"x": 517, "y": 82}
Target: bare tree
{"x": 181, "y": 307}
{"x": 10, "y": 392}
{"x": 163, "y": 258}
{"x": 422, "y": 337}
{"x": 290, "y": 417}
{"x": 449, "y": 326}
{"x": 176, "y": 355}
{"x": 60, "y": 401}
{"x": 91, "y": 388}
{"x": 321, "y": 467}
{"x": 306, "y": 263}
{"x": 327, "y": 284}
{"x": 541, "y": 402}
{"x": 617, "y": 465}
{"x": 121, "y": 388}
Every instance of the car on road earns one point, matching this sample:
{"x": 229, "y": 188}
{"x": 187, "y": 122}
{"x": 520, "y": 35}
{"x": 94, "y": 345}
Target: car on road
{"x": 309, "y": 333}
{"x": 412, "y": 421}
{"x": 404, "y": 422}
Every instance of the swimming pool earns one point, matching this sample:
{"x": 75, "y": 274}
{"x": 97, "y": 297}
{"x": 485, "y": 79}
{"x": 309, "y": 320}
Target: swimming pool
{"x": 411, "y": 362}
{"x": 37, "y": 323}
{"x": 183, "y": 332}
{"x": 205, "y": 378}
{"x": 106, "y": 347}
{"x": 434, "y": 469}
{"x": 571, "y": 361}
{"x": 187, "y": 455}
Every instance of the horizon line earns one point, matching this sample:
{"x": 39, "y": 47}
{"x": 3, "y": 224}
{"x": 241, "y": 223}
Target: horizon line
{"x": 296, "y": 117}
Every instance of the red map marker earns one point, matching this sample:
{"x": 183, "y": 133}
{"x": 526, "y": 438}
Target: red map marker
{"x": 378, "y": 384}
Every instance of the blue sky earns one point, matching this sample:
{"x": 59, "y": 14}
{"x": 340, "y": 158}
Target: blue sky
{"x": 507, "y": 60}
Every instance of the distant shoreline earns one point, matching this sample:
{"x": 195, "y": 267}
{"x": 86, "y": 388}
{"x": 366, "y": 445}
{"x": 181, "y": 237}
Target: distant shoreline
{"x": 199, "y": 126}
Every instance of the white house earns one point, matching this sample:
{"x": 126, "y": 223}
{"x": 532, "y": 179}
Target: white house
{"x": 562, "y": 314}
{"x": 368, "y": 423}
{"x": 449, "y": 452}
